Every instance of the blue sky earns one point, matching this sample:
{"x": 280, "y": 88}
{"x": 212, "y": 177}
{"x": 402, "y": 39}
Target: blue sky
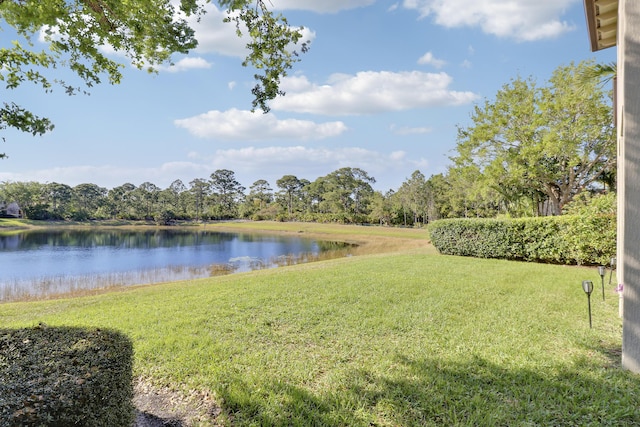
{"x": 383, "y": 88}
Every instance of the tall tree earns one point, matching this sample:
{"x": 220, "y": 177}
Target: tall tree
{"x": 381, "y": 208}
{"x": 177, "y": 191}
{"x": 118, "y": 200}
{"x": 414, "y": 196}
{"x": 260, "y": 193}
{"x": 437, "y": 188}
{"x": 554, "y": 140}
{"x": 348, "y": 190}
{"x": 199, "y": 190}
{"x": 146, "y": 197}
{"x": 227, "y": 193}
{"x": 579, "y": 144}
{"x": 148, "y": 32}
{"x": 59, "y": 197}
{"x": 87, "y": 198}
{"x": 290, "y": 186}
{"x": 315, "y": 193}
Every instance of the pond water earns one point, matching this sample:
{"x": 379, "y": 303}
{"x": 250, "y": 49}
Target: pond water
{"x": 38, "y": 264}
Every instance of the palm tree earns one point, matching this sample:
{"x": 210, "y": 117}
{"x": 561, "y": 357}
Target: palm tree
{"x": 603, "y": 72}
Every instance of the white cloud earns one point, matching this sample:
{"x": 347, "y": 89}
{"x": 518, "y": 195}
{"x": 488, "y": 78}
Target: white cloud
{"x": 304, "y": 160}
{"x": 370, "y": 92}
{"x": 216, "y": 36}
{"x": 271, "y": 163}
{"x": 186, "y": 64}
{"x": 429, "y": 59}
{"x": 110, "y": 176}
{"x": 107, "y": 175}
{"x": 324, "y": 6}
{"x": 523, "y": 20}
{"x": 398, "y": 155}
{"x": 405, "y": 130}
{"x": 240, "y": 125}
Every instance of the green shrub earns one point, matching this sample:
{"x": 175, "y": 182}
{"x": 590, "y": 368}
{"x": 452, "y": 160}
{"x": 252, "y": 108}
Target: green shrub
{"x": 538, "y": 240}
{"x": 591, "y": 231}
{"x": 63, "y": 376}
{"x": 166, "y": 217}
{"x": 471, "y": 237}
{"x": 568, "y": 239}
{"x": 592, "y": 239}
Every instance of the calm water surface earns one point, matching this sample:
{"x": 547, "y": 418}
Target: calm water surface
{"x": 37, "y": 264}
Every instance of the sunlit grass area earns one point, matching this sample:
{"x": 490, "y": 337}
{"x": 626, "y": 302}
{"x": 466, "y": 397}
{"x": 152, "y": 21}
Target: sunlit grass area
{"x": 14, "y": 225}
{"x": 402, "y": 338}
{"x": 332, "y": 229}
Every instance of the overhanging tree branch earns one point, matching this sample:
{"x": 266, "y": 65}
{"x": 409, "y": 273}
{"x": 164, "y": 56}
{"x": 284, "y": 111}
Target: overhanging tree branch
{"x": 148, "y": 32}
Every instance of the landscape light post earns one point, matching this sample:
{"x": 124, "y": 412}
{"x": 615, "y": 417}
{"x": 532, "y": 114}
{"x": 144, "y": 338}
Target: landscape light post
{"x": 587, "y": 287}
{"x": 602, "y": 271}
{"x": 612, "y": 263}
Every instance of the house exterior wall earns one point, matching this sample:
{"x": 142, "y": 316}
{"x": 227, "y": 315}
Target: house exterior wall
{"x": 10, "y": 210}
{"x": 629, "y": 177}
{"x": 13, "y": 210}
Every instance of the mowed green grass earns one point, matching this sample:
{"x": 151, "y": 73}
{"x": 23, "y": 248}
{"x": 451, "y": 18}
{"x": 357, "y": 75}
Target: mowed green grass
{"x": 409, "y": 338}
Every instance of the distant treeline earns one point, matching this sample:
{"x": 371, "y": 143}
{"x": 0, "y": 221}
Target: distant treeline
{"x": 345, "y": 196}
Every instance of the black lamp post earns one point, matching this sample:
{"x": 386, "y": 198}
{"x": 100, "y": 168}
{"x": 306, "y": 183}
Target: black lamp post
{"x": 602, "y": 271}
{"x": 587, "y": 287}
{"x": 612, "y": 263}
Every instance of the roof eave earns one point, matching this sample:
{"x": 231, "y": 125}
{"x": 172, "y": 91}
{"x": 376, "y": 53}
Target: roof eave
{"x": 602, "y": 23}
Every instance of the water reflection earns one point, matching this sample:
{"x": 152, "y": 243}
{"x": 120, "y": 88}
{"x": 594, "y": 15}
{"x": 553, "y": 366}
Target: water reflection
{"x": 38, "y": 264}
{"x": 115, "y": 238}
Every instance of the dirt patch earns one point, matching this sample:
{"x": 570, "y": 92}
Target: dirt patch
{"x": 164, "y": 407}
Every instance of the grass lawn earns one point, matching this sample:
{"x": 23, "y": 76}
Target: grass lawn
{"x": 402, "y": 338}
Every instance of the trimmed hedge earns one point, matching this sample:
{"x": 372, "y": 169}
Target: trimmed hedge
{"x": 64, "y": 376}
{"x": 568, "y": 239}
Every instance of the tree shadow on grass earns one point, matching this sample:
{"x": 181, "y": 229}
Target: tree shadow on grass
{"x": 479, "y": 392}
{"x": 431, "y": 392}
